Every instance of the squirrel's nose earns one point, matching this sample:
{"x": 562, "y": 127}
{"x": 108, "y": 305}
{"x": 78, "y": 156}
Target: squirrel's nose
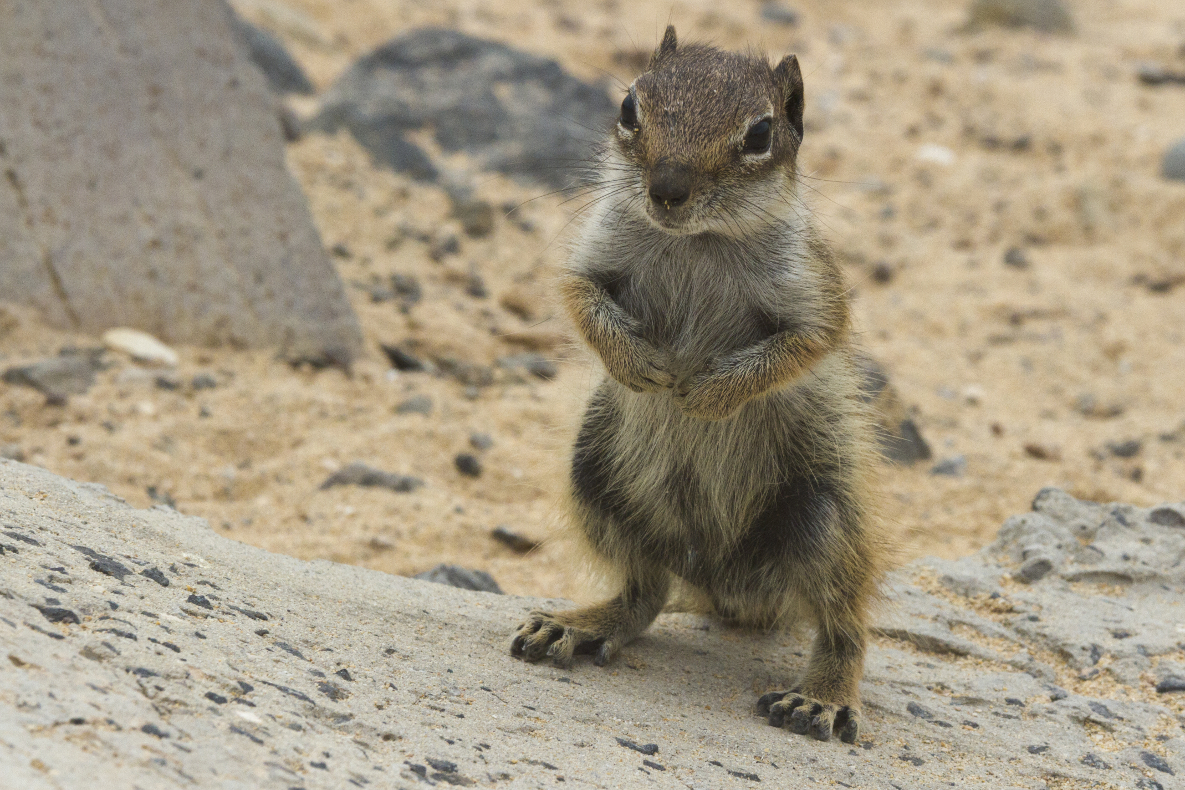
{"x": 670, "y": 187}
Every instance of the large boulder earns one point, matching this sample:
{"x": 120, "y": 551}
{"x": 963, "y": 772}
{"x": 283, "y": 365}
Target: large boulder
{"x": 140, "y": 648}
{"x": 144, "y": 181}
{"x": 512, "y": 111}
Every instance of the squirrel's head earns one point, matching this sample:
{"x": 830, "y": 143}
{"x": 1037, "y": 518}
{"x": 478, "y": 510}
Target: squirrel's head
{"x": 710, "y": 138}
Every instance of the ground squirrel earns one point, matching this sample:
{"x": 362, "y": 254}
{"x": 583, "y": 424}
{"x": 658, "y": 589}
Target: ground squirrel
{"x": 728, "y": 447}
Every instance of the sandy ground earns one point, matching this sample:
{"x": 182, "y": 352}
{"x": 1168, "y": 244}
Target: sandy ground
{"x": 1053, "y": 147}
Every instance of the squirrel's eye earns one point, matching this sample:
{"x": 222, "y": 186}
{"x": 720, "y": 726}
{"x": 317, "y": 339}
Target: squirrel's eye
{"x": 758, "y": 138}
{"x": 629, "y": 113}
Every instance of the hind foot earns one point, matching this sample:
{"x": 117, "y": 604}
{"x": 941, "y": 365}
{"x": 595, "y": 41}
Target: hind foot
{"x": 806, "y": 715}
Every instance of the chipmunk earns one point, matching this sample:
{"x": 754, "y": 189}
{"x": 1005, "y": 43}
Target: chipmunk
{"x": 728, "y": 446}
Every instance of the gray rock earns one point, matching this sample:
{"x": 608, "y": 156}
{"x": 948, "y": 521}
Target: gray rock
{"x": 954, "y": 466}
{"x": 534, "y": 363}
{"x": 1173, "y": 167}
{"x": 152, "y": 190}
{"x": 774, "y": 11}
{"x": 480, "y": 441}
{"x": 1046, "y": 16}
{"x": 283, "y": 73}
{"x": 359, "y": 474}
{"x": 269, "y": 672}
{"x": 514, "y": 112}
{"x": 417, "y": 404}
{"x": 57, "y": 378}
{"x": 1017, "y": 258}
{"x": 403, "y": 360}
{"x": 462, "y": 578}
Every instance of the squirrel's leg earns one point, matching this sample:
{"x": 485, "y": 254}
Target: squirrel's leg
{"x": 612, "y": 334}
{"x": 601, "y": 629}
{"x": 827, "y": 698}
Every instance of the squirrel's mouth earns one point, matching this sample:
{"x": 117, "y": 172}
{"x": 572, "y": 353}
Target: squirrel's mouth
{"x": 676, "y": 220}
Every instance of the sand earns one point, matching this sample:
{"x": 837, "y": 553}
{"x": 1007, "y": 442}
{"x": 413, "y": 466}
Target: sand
{"x": 929, "y": 153}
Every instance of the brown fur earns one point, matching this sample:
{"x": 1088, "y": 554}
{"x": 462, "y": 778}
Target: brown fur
{"x": 728, "y": 448}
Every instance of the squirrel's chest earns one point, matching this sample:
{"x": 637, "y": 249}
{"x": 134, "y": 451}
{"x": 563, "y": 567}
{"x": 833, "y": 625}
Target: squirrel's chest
{"x": 696, "y": 312}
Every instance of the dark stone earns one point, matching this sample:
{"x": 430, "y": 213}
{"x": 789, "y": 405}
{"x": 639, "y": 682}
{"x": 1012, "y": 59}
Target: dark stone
{"x": 535, "y": 364}
{"x": 286, "y": 690}
{"x": 1016, "y": 258}
{"x": 443, "y": 766}
{"x": 1046, "y": 16}
{"x": 906, "y": 446}
{"x": 648, "y": 749}
{"x": 476, "y": 287}
{"x": 513, "y": 540}
{"x": 168, "y": 382}
{"x": 1094, "y": 761}
{"x": 110, "y": 567}
{"x": 1170, "y": 684}
{"x": 1038, "y": 749}
{"x": 476, "y": 216}
{"x": 1034, "y": 569}
{"x": 419, "y": 404}
{"x": 237, "y": 730}
{"x": 22, "y": 538}
{"x": 152, "y": 729}
{"x": 1166, "y": 517}
{"x": 514, "y": 112}
{"x": 911, "y": 759}
{"x": 254, "y": 615}
{"x": 917, "y": 710}
{"x": 144, "y": 672}
{"x": 401, "y": 360}
{"x": 1101, "y": 710}
{"x": 1155, "y": 74}
{"x": 773, "y": 11}
{"x": 954, "y": 466}
{"x": 1173, "y": 167}
{"x": 1014, "y": 701}
{"x": 468, "y": 465}
{"x": 199, "y": 600}
{"x": 1156, "y": 763}
{"x": 284, "y": 74}
{"x": 344, "y": 674}
{"x": 215, "y": 698}
{"x": 203, "y": 381}
{"x": 654, "y": 765}
{"x": 56, "y": 614}
{"x": 334, "y": 692}
{"x": 463, "y": 578}
{"x": 743, "y": 775}
{"x": 480, "y": 441}
{"x": 359, "y": 474}
{"x": 290, "y": 650}
{"x": 1125, "y": 449}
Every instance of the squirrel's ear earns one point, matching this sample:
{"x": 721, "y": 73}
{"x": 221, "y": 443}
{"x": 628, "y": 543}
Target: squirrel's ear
{"x": 789, "y": 78}
{"x": 667, "y": 47}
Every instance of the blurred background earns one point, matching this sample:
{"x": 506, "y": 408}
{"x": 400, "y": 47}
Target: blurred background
{"x": 365, "y": 360}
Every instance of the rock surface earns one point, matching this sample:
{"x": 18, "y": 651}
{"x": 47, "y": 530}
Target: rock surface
{"x": 142, "y": 649}
{"x": 146, "y": 184}
{"x": 515, "y": 112}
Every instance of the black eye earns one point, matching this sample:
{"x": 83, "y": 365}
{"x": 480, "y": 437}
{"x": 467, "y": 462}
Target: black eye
{"x": 629, "y": 113}
{"x": 757, "y": 139}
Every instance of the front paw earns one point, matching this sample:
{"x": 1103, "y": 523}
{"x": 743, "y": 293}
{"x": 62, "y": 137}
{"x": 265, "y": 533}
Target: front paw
{"x": 546, "y": 635}
{"x": 642, "y": 368}
{"x": 707, "y": 397}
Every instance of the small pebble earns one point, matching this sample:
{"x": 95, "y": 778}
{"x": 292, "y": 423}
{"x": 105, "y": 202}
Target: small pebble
{"x": 140, "y": 346}
{"x": 467, "y": 464}
{"x": 419, "y": 404}
{"x": 203, "y": 381}
{"x": 402, "y": 360}
{"x": 1125, "y": 449}
{"x": 513, "y": 540}
{"x": 954, "y": 466}
{"x": 480, "y": 441}
{"x": 359, "y": 474}
{"x": 883, "y": 272}
{"x": 1016, "y": 258}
